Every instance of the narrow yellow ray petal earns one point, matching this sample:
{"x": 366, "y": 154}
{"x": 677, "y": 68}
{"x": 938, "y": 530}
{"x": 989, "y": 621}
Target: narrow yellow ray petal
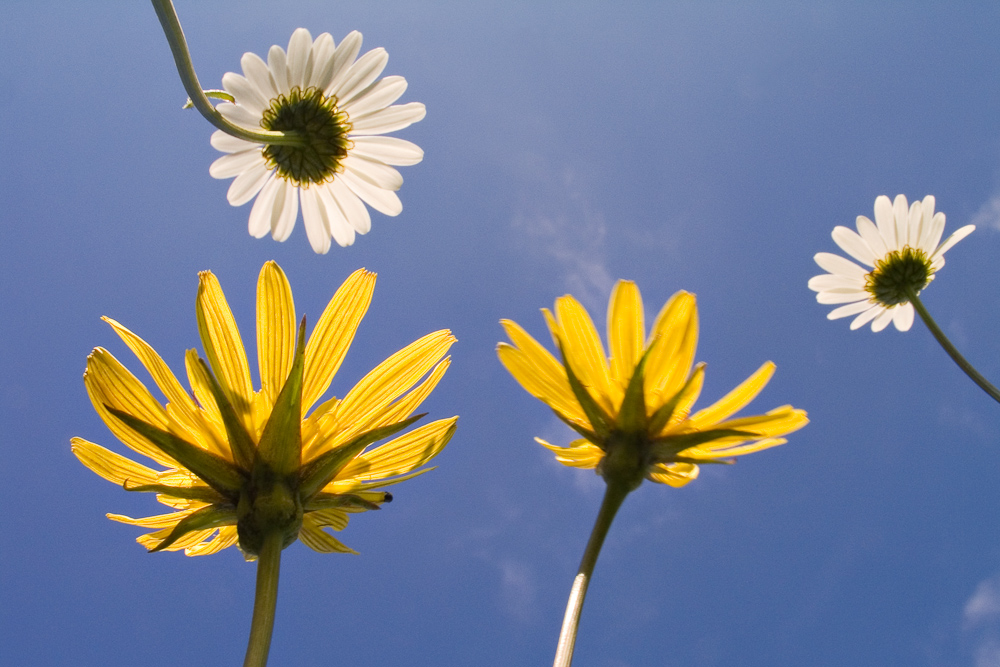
{"x": 675, "y": 333}
{"x": 223, "y": 345}
{"x": 225, "y": 538}
{"x": 735, "y": 400}
{"x": 740, "y": 450}
{"x": 780, "y": 421}
{"x": 158, "y": 521}
{"x": 112, "y": 467}
{"x": 683, "y": 408}
{"x": 334, "y": 518}
{"x": 276, "y": 329}
{"x": 401, "y": 455}
{"x": 579, "y": 454}
{"x": 673, "y": 474}
{"x": 393, "y": 376}
{"x": 203, "y": 394}
{"x": 546, "y": 383}
{"x": 584, "y": 350}
{"x": 319, "y": 540}
{"x": 626, "y": 332}
{"x": 189, "y": 540}
{"x": 332, "y": 336}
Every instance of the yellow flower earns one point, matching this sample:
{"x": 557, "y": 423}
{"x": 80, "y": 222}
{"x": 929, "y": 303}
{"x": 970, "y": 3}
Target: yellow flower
{"x": 239, "y": 464}
{"x": 633, "y": 408}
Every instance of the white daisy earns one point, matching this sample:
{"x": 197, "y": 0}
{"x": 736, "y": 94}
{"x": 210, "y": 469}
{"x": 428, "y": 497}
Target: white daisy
{"x": 335, "y": 99}
{"x": 902, "y": 250}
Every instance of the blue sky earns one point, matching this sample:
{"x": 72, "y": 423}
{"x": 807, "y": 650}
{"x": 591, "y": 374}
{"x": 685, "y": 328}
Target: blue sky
{"x": 710, "y": 147}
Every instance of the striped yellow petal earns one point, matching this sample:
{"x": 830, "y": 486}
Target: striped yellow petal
{"x": 223, "y": 345}
{"x": 626, "y": 332}
{"x": 333, "y": 334}
{"x": 112, "y": 467}
{"x": 317, "y": 539}
{"x": 583, "y": 349}
{"x": 687, "y": 399}
{"x": 200, "y": 386}
{"x": 579, "y": 454}
{"x": 276, "y": 329}
{"x": 740, "y": 450}
{"x": 402, "y": 454}
{"x": 735, "y": 400}
{"x": 392, "y": 377}
{"x": 159, "y": 521}
{"x": 225, "y": 538}
{"x": 674, "y": 338}
{"x": 673, "y": 474}
{"x": 189, "y": 540}
{"x": 334, "y": 518}
{"x": 779, "y": 421}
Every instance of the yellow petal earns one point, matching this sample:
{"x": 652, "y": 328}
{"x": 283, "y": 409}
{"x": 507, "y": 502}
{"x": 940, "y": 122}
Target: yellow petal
{"x": 780, "y": 421}
{"x": 333, "y": 334}
{"x": 159, "y": 521}
{"x": 626, "y": 332}
{"x": 276, "y": 330}
{"x": 110, "y": 383}
{"x": 189, "y": 540}
{"x": 112, "y": 467}
{"x": 223, "y": 345}
{"x": 225, "y": 538}
{"x": 674, "y": 338}
{"x": 683, "y": 407}
{"x": 334, "y": 518}
{"x": 212, "y": 418}
{"x": 579, "y": 454}
{"x": 735, "y": 400}
{"x": 392, "y": 377}
{"x": 673, "y": 474}
{"x": 400, "y": 455}
{"x": 539, "y": 373}
{"x": 319, "y": 540}
{"x": 583, "y": 349}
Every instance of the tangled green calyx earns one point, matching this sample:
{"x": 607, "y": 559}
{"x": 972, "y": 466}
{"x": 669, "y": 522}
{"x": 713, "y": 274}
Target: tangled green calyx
{"x": 897, "y": 275}
{"x": 325, "y": 128}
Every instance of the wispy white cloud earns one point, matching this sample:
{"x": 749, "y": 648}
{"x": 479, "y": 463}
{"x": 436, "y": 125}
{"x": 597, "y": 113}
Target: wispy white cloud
{"x": 988, "y": 214}
{"x": 981, "y": 622}
{"x": 518, "y": 590}
{"x": 558, "y": 221}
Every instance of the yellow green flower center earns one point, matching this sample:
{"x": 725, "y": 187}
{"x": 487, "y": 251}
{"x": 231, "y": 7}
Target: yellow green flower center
{"x": 325, "y": 128}
{"x": 897, "y": 275}
{"x": 268, "y": 504}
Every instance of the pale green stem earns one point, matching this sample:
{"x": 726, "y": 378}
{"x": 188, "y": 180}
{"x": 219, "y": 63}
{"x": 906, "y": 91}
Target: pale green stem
{"x": 265, "y": 600}
{"x": 950, "y": 349}
{"x": 613, "y": 498}
{"x": 182, "y": 57}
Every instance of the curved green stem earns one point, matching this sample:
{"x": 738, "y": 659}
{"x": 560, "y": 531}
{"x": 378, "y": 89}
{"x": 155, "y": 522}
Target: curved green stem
{"x": 185, "y": 68}
{"x": 983, "y": 383}
{"x": 265, "y": 600}
{"x": 613, "y": 498}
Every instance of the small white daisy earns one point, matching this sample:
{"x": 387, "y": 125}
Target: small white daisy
{"x": 902, "y": 250}
{"x": 335, "y": 99}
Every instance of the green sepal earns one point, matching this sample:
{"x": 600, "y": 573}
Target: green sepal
{"x": 632, "y": 415}
{"x": 585, "y": 432}
{"x": 213, "y": 93}
{"x": 347, "y": 501}
{"x": 240, "y": 442}
{"x": 666, "y": 411}
{"x": 214, "y": 470}
{"x": 212, "y": 516}
{"x": 664, "y": 449}
{"x": 321, "y": 471}
{"x": 702, "y": 462}
{"x": 280, "y": 445}
{"x": 204, "y": 494}
{"x": 598, "y": 418}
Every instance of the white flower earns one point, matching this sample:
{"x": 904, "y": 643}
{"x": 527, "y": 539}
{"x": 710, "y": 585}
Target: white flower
{"x": 902, "y": 250}
{"x": 325, "y": 92}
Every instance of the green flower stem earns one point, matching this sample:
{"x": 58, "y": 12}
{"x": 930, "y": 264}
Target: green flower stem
{"x": 185, "y": 68}
{"x": 265, "y": 600}
{"x": 613, "y": 498}
{"x": 950, "y": 349}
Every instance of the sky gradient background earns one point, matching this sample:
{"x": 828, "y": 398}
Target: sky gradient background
{"x": 697, "y": 146}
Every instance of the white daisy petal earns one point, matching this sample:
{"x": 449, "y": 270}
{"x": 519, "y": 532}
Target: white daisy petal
{"x": 247, "y": 185}
{"x": 340, "y": 228}
{"x": 299, "y": 58}
{"x": 234, "y": 164}
{"x": 257, "y": 73}
{"x": 885, "y": 221}
{"x": 848, "y": 310}
{"x": 902, "y": 317}
{"x": 378, "y": 174}
{"x": 866, "y": 317}
{"x": 869, "y": 232}
{"x": 383, "y": 201}
{"x": 322, "y": 53}
{"x": 882, "y": 321}
{"x": 389, "y": 119}
{"x": 286, "y": 205}
{"x": 390, "y": 150}
{"x": 377, "y": 96}
{"x": 246, "y": 94}
{"x": 314, "y": 218}
{"x": 855, "y": 246}
{"x": 351, "y": 206}
{"x": 277, "y": 62}
{"x": 264, "y": 212}
{"x": 227, "y": 143}
{"x": 833, "y": 296}
{"x": 957, "y": 236}
{"x": 900, "y": 214}
{"x": 361, "y": 74}
{"x": 347, "y": 51}
{"x": 239, "y": 115}
{"x": 829, "y": 281}
{"x": 838, "y": 265}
